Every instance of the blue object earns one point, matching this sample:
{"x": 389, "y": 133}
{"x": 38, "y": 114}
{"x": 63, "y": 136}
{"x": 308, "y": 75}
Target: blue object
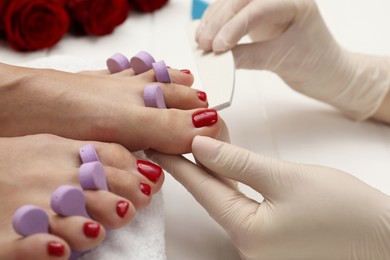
{"x": 198, "y": 8}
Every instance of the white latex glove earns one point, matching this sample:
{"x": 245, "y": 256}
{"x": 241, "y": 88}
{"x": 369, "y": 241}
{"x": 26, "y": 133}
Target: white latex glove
{"x": 291, "y": 39}
{"x": 308, "y": 212}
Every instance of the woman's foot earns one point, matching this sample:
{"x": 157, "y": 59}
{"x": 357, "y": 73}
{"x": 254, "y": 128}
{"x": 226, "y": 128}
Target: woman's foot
{"x": 32, "y": 167}
{"x": 104, "y": 107}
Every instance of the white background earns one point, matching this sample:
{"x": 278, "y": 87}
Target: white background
{"x": 266, "y": 116}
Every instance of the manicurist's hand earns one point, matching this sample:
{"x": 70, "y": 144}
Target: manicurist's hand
{"x": 290, "y": 38}
{"x": 308, "y": 212}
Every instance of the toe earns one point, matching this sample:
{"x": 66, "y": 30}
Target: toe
{"x": 82, "y": 234}
{"x": 39, "y": 246}
{"x": 173, "y": 130}
{"x": 177, "y": 96}
{"x": 110, "y": 210}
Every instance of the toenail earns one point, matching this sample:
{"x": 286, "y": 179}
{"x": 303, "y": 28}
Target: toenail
{"x": 161, "y": 72}
{"x": 141, "y": 62}
{"x": 154, "y": 96}
{"x": 117, "y": 63}
{"x": 186, "y": 71}
{"x": 202, "y": 95}
{"x": 149, "y": 170}
{"x": 91, "y": 229}
{"x": 121, "y": 208}
{"x": 145, "y": 188}
{"x": 203, "y": 118}
{"x": 55, "y": 249}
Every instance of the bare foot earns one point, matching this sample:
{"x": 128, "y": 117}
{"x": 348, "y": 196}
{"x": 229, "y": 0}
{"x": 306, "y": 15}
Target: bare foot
{"x": 103, "y": 107}
{"x": 32, "y": 167}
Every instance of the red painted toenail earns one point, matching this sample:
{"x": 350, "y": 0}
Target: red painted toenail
{"x": 202, "y": 95}
{"x": 91, "y": 229}
{"x": 206, "y": 117}
{"x": 149, "y": 170}
{"x": 145, "y": 188}
{"x": 55, "y": 249}
{"x": 121, "y": 208}
{"x": 186, "y": 71}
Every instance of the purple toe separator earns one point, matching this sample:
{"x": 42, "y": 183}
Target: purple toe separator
{"x": 92, "y": 176}
{"x": 88, "y": 154}
{"x": 154, "y": 96}
{"x": 161, "y": 72}
{"x": 141, "y": 62}
{"x": 117, "y": 63}
{"x": 69, "y": 201}
{"x": 29, "y": 220}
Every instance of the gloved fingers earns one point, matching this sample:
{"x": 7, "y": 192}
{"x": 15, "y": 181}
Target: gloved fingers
{"x": 268, "y": 176}
{"x": 269, "y": 18}
{"x": 216, "y": 15}
{"x": 229, "y": 207}
{"x": 269, "y": 55}
{"x": 224, "y": 137}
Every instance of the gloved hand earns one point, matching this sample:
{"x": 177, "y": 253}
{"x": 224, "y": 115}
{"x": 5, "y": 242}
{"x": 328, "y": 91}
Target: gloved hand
{"x": 308, "y": 212}
{"x": 291, "y": 39}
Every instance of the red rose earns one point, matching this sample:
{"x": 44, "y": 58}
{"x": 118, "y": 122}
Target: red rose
{"x": 98, "y": 17}
{"x": 34, "y": 24}
{"x": 3, "y": 5}
{"x": 148, "y": 6}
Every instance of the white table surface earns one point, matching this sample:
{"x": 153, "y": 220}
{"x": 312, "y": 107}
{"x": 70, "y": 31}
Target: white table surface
{"x": 266, "y": 116}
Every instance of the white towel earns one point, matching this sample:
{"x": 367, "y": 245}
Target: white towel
{"x": 143, "y": 238}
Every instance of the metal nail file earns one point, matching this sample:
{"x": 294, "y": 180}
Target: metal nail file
{"x": 216, "y": 72}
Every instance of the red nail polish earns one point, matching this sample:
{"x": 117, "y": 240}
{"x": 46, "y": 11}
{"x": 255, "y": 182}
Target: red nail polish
{"x": 121, "y": 208}
{"x": 206, "y": 117}
{"x": 91, "y": 229}
{"x": 55, "y": 249}
{"x": 202, "y": 95}
{"x": 145, "y": 188}
{"x": 186, "y": 71}
{"x": 149, "y": 170}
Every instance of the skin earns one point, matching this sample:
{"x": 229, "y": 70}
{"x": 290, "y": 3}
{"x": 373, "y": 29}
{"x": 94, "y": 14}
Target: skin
{"x": 25, "y": 160}
{"x": 102, "y": 107}
{"x": 90, "y": 105}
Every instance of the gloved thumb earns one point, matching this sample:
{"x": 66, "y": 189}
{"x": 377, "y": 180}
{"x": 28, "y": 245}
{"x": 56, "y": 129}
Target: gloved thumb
{"x": 268, "y": 176}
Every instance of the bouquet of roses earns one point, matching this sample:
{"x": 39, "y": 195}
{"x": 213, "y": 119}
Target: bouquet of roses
{"x": 29, "y": 25}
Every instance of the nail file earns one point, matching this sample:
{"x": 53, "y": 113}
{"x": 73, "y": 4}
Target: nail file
{"x": 216, "y": 72}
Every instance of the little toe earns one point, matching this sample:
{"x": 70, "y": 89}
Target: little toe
{"x": 82, "y": 234}
{"x": 39, "y": 246}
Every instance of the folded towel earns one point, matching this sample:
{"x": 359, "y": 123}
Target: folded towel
{"x": 143, "y": 238}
